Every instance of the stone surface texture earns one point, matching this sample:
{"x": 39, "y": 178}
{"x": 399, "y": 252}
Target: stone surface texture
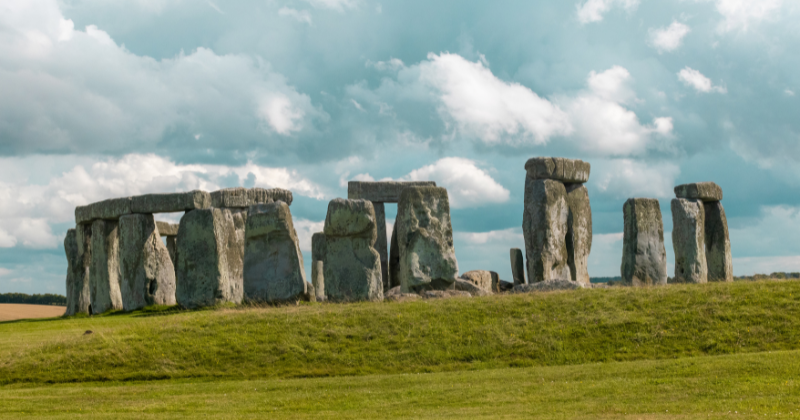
{"x": 688, "y": 241}
{"x": 148, "y": 276}
{"x": 579, "y": 232}
{"x": 471, "y": 288}
{"x": 443, "y": 294}
{"x": 425, "y": 239}
{"x": 105, "y": 273}
{"x": 558, "y": 169}
{"x": 382, "y": 191}
{"x": 166, "y": 229}
{"x": 318, "y": 279}
{"x": 544, "y": 227}
{"x": 170, "y": 203}
{"x": 318, "y": 245}
{"x": 718, "y": 243}
{"x": 352, "y": 265}
{"x": 548, "y": 286}
{"x": 268, "y": 195}
{"x": 480, "y": 278}
{"x": 111, "y": 209}
{"x": 394, "y": 259}
{"x": 644, "y": 258}
{"x": 704, "y": 191}
{"x": 210, "y": 254}
{"x": 517, "y": 266}
{"x": 273, "y": 263}
{"x": 77, "y": 245}
{"x": 229, "y": 197}
{"x": 381, "y": 244}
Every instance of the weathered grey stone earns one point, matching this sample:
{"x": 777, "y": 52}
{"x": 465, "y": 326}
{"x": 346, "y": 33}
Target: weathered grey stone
{"x": 311, "y": 293}
{"x": 392, "y": 292}
{"x": 229, "y": 197}
{"x": 110, "y": 209}
{"x": 480, "y": 278}
{"x": 77, "y": 245}
{"x": 688, "y": 240}
{"x": 548, "y": 286}
{"x": 210, "y": 254}
{"x": 705, "y": 191}
{"x": 396, "y": 295}
{"x": 644, "y": 258}
{"x": 381, "y": 243}
{"x": 273, "y": 263}
{"x": 318, "y": 245}
{"x": 443, "y": 294}
{"x": 394, "y": 259}
{"x": 558, "y": 169}
{"x": 105, "y": 273}
{"x": 544, "y": 227}
{"x": 425, "y": 239}
{"x": 171, "y": 202}
{"x": 266, "y": 196}
{"x": 83, "y": 214}
{"x": 318, "y": 279}
{"x": 718, "y": 243}
{"x": 517, "y": 266}
{"x": 471, "y": 288}
{"x": 504, "y": 286}
{"x": 148, "y": 276}
{"x": 352, "y": 268}
{"x": 166, "y": 229}
{"x": 172, "y": 248}
{"x": 579, "y": 232}
{"x": 71, "y": 251}
{"x": 381, "y": 191}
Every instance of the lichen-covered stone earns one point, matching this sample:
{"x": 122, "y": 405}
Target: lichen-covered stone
{"x": 148, "y": 276}
{"x": 166, "y": 229}
{"x": 273, "y": 263}
{"x": 381, "y": 191}
{"x": 210, "y": 254}
{"x": 105, "y": 273}
{"x": 480, "y": 278}
{"x": 425, "y": 239}
{"x": 111, "y": 209}
{"x": 170, "y": 202}
{"x": 318, "y": 245}
{"x": 704, "y": 191}
{"x": 517, "y": 266}
{"x": 229, "y": 197}
{"x": 718, "y": 243}
{"x": 352, "y": 267}
{"x": 268, "y": 195}
{"x": 544, "y": 226}
{"x": 558, "y": 169}
{"x": 688, "y": 241}
{"x": 579, "y": 232}
{"x": 644, "y": 258}
{"x": 77, "y": 245}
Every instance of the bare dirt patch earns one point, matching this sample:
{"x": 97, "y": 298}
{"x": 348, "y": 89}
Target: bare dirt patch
{"x": 13, "y": 311}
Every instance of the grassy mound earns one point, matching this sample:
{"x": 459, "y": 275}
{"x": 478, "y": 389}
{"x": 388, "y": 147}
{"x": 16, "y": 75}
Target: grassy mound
{"x": 561, "y": 328}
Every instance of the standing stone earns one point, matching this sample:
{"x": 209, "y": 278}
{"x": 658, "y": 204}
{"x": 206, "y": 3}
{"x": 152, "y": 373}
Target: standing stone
{"x": 517, "y": 266}
{"x": 210, "y": 254}
{"x": 688, "y": 240}
{"x": 381, "y": 244}
{"x": 718, "y": 244}
{"x": 579, "y": 232}
{"x": 425, "y": 239}
{"x": 644, "y": 258}
{"x": 394, "y": 259}
{"x": 77, "y": 245}
{"x": 105, "y": 273}
{"x": 172, "y": 248}
{"x": 352, "y": 264}
{"x": 544, "y": 225}
{"x": 148, "y": 277}
{"x": 273, "y": 263}
{"x": 318, "y": 279}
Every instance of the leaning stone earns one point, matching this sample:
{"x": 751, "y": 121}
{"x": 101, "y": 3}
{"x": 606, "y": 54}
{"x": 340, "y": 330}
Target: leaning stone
{"x": 579, "y": 232}
{"x": 77, "y": 245}
{"x": 318, "y": 279}
{"x": 148, "y": 276}
{"x": 381, "y": 191}
{"x": 352, "y": 264}
{"x": 229, "y": 197}
{"x": 425, "y": 239}
{"x": 644, "y": 258}
{"x": 210, "y": 257}
{"x": 688, "y": 241}
{"x": 558, "y": 169}
{"x": 166, "y": 229}
{"x": 548, "y": 286}
{"x": 273, "y": 263}
{"x": 517, "y": 266}
{"x": 105, "y": 273}
{"x": 705, "y": 191}
{"x": 471, "y": 288}
{"x": 544, "y": 226}
{"x": 480, "y": 278}
{"x": 170, "y": 203}
{"x": 718, "y": 243}
{"x": 265, "y": 196}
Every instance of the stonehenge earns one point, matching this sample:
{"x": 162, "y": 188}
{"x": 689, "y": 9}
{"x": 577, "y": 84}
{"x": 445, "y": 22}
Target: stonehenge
{"x": 148, "y": 276}
{"x": 106, "y": 271}
{"x": 644, "y": 258}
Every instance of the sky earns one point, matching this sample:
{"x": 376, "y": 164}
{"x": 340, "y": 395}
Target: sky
{"x": 102, "y": 99}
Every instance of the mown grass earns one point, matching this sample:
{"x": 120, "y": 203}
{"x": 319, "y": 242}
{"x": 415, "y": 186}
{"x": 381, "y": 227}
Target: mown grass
{"x": 755, "y": 385}
{"x": 317, "y": 340}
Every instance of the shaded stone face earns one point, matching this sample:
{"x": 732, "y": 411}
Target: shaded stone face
{"x": 517, "y": 266}
{"x": 381, "y": 243}
{"x": 394, "y": 259}
{"x": 105, "y": 273}
{"x": 425, "y": 239}
{"x": 170, "y": 203}
{"x": 210, "y": 255}
{"x": 704, "y": 191}
{"x": 381, "y": 191}
{"x": 111, "y": 209}
{"x": 77, "y": 245}
{"x": 718, "y": 243}
{"x": 579, "y": 232}
{"x": 544, "y": 225}
{"x": 688, "y": 240}
{"x": 148, "y": 276}
{"x": 558, "y": 169}
{"x": 480, "y": 278}
{"x": 273, "y": 263}
{"x": 318, "y": 246}
{"x": 318, "y": 279}
{"x": 644, "y": 258}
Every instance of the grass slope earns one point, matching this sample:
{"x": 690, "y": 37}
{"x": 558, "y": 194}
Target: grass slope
{"x": 563, "y": 328}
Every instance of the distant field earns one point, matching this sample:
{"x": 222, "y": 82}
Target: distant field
{"x": 14, "y": 311}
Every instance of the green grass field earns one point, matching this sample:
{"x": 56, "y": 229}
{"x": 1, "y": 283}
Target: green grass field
{"x": 688, "y": 349}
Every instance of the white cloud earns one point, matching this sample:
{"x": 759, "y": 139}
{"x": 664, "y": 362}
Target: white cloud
{"x": 741, "y": 14}
{"x": 305, "y": 230}
{"x": 467, "y": 185}
{"x": 339, "y": 5}
{"x": 281, "y": 114}
{"x": 393, "y": 64}
{"x": 788, "y": 92}
{"x": 626, "y": 178}
{"x": 298, "y": 15}
{"x": 766, "y": 236}
{"x": 5, "y": 271}
{"x": 693, "y": 78}
{"x": 7, "y": 240}
{"x": 510, "y": 235}
{"x": 593, "y": 10}
{"x": 669, "y": 38}
{"x": 612, "y": 85}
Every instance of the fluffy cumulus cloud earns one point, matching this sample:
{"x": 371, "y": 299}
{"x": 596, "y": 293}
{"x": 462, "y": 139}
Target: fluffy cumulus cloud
{"x": 624, "y": 178}
{"x": 696, "y": 80}
{"x": 466, "y": 183}
{"x": 595, "y": 10}
{"x": 669, "y": 38}
{"x": 742, "y": 14}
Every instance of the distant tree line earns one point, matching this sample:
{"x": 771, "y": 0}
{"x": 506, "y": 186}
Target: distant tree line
{"x": 45, "y": 299}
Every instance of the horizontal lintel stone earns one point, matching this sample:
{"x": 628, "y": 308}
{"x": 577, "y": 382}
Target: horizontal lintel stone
{"x": 568, "y": 171}
{"x": 111, "y": 209}
{"x": 381, "y": 191}
{"x": 167, "y": 229}
{"x": 703, "y": 191}
{"x": 171, "y": 202}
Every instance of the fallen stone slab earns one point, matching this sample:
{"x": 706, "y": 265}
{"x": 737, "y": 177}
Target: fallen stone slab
{"x": 544, "y": 227}
{"x": 558, "y": 169}
{"x": 166, "y": 229}
{"x": 471, "y": 288}
{"x": 517, "y": 266}
{"x": 148, "y": 276}
{"x": 395, "y": 295}
{"x": 171, "y": 202}
{"x": 548, "y": 286}
{"x": 105, "y": 273}
{"x": 688, "y": 241}
{"x": 443, "y": 294}
{"x": 77, "y": 246}
{"x": 273, "y": 263}
{"x": 503, "y": 286}
{"x": 644, "y": 258}
{"x": 704, "y": 191}
{"x": 718, "y": 243}
{"x": 382, "y": 191}
{"x": 579, "y": 232}
{"x": 480, "y": 278}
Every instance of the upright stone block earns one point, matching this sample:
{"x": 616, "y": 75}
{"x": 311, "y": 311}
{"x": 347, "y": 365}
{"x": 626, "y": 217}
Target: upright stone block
{"x": 425, "y": 239}
{"x": 381, "y": 244}
{"x": 704, "y": 191}
{"x": 394, "y": 259}
{"x": 644, "y": 258}
{"x": 352, "y": 264}
{"x": 105, "y": 272}
{"x": 517, "y": 266}
{"x": 77, "y": 245}
{"x": 558, "y": 169}
{"x": 718, "y": 243}
{"x": 210, "y": 254}
{"x": 148, "y": 276}
{"x": 688, "y": 240}
{"x": 318, "y": 279}
{"x": 544, "y": 226}
{"x": 579, "y": 232}
{"x": 273, "y": 263}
